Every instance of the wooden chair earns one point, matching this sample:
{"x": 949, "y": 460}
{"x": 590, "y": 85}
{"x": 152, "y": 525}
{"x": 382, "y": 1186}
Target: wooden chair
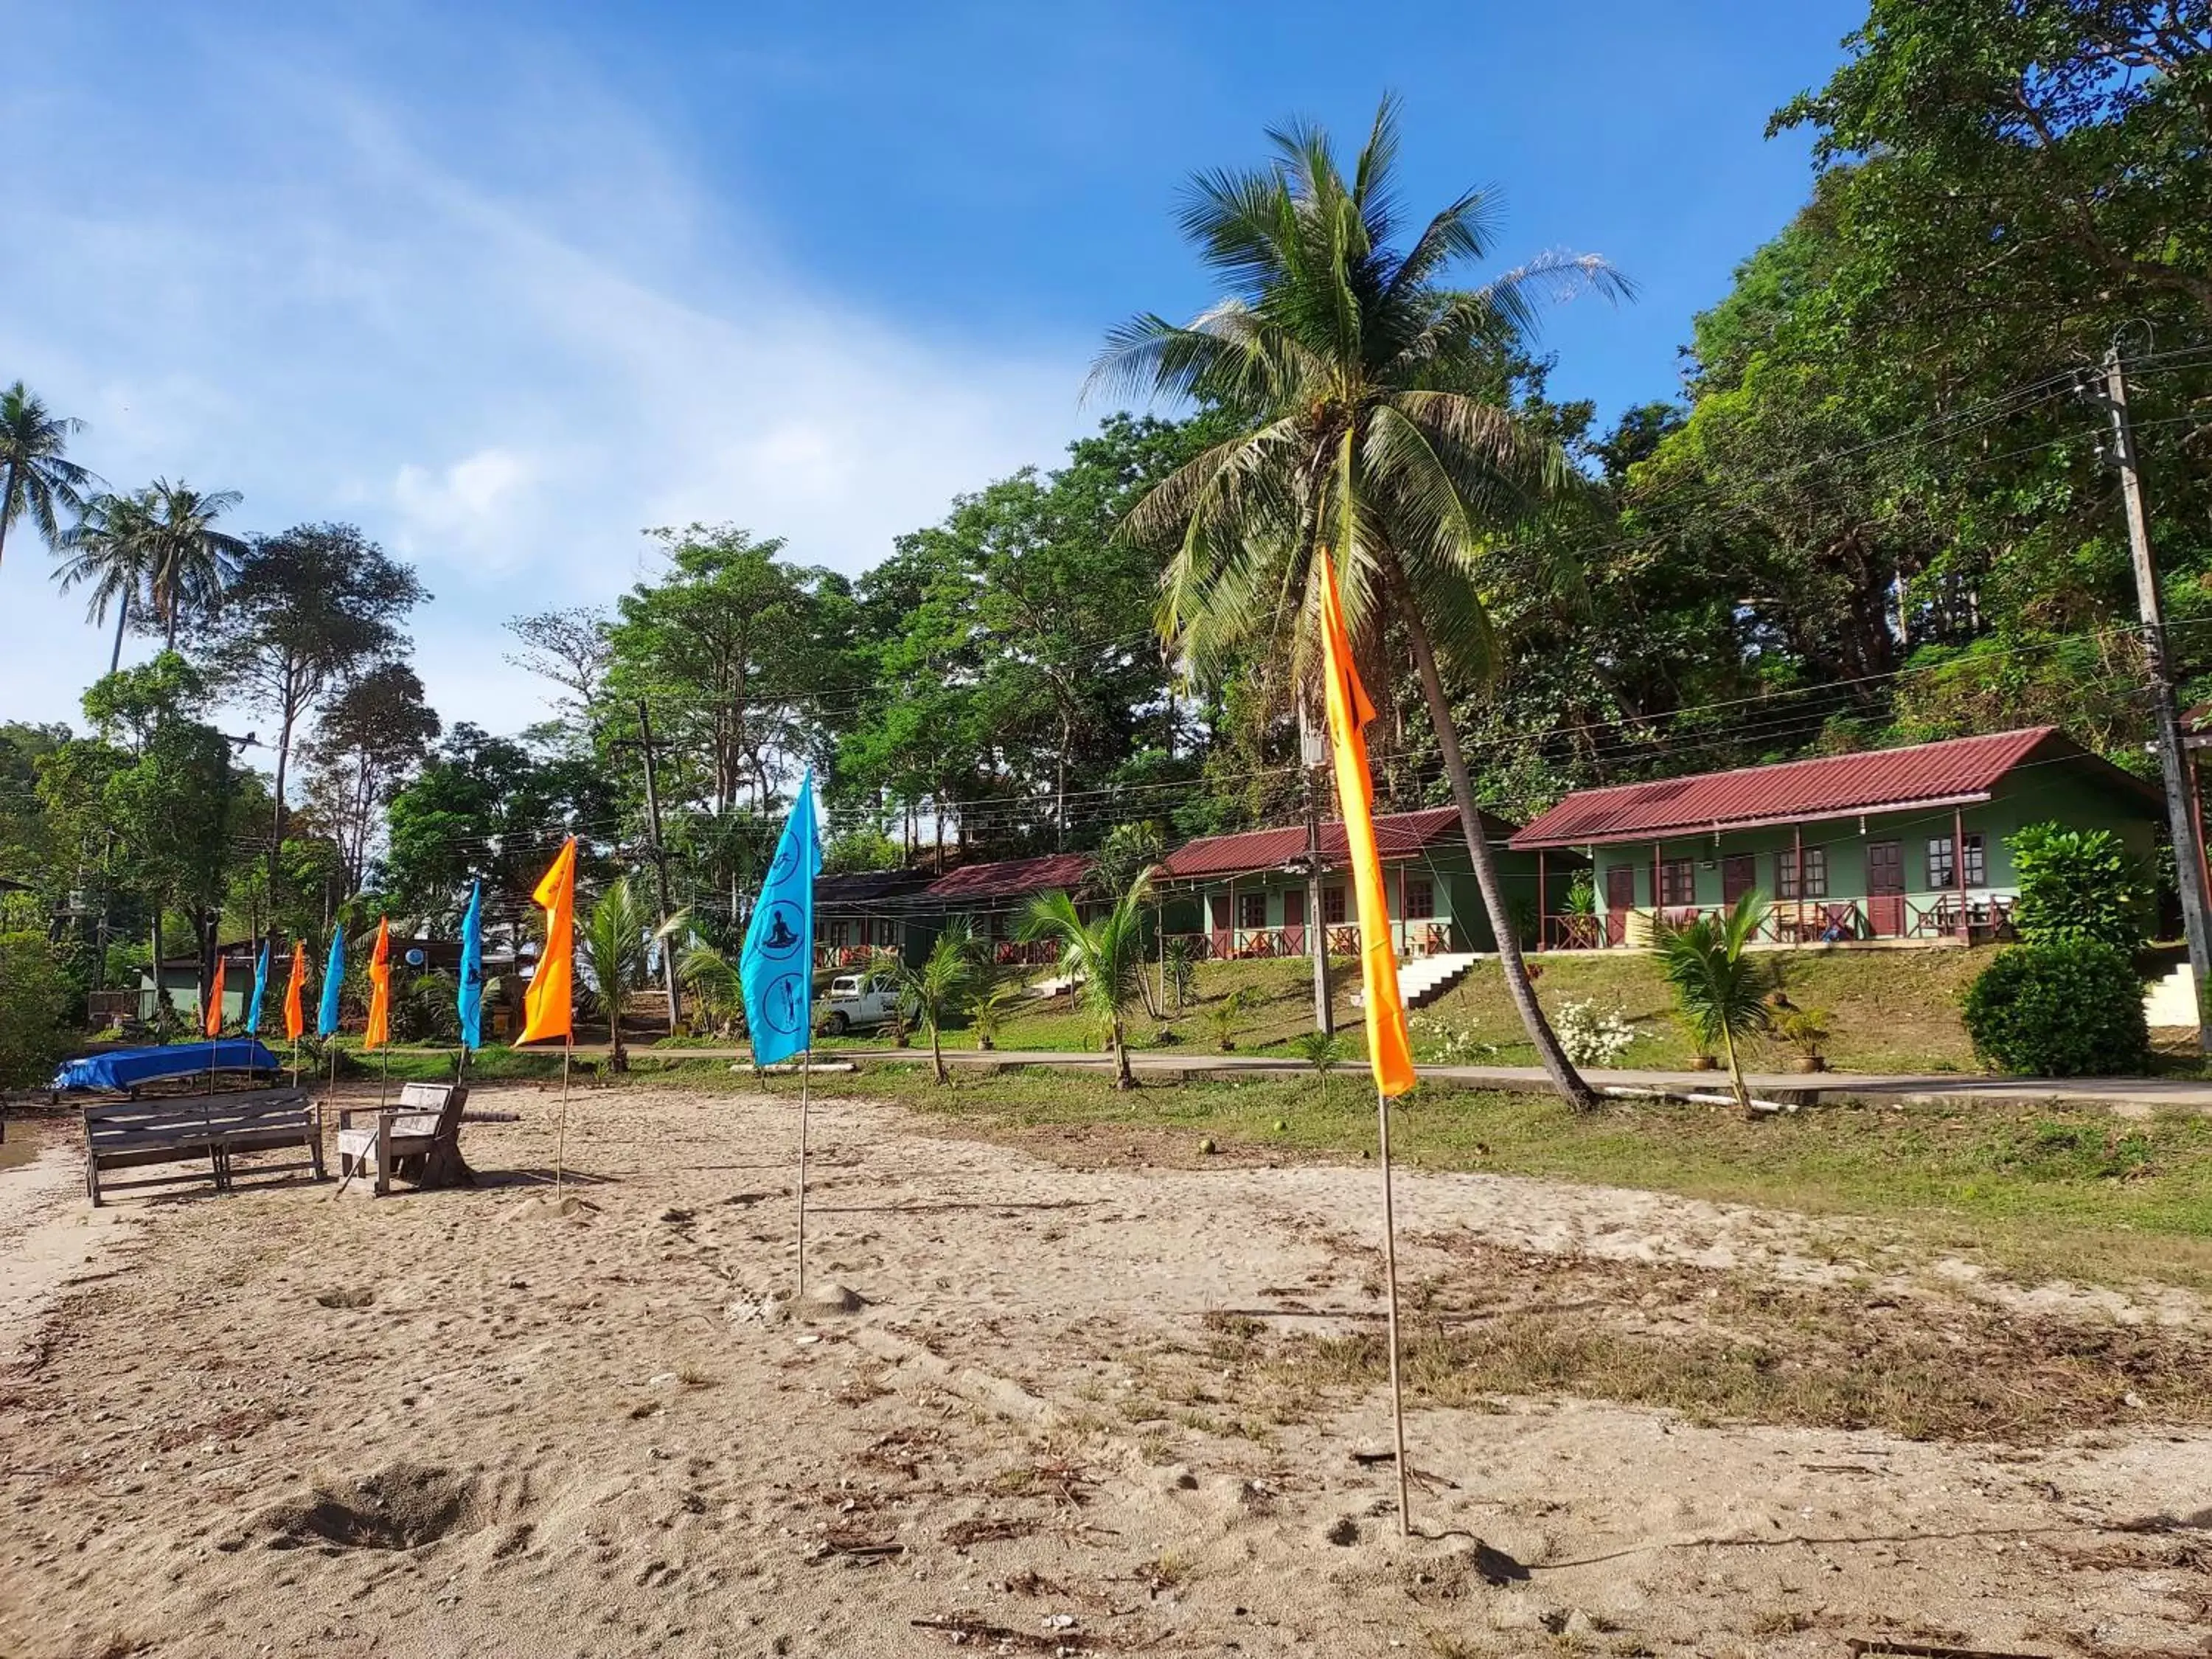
{"x": 418, "y": 1137}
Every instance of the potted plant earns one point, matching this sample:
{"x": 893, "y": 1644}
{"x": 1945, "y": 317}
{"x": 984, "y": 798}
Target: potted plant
{"x": 1225, "y": 1015}
{"x": 1805, "y": 1029}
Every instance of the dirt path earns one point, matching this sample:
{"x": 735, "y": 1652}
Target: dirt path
{"x": 483, "y": 1422}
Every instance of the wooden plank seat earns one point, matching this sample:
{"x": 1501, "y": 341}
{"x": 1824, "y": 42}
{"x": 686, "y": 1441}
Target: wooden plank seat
{"x": 417, "y": 1138}
{"x": 130, "y": 1134}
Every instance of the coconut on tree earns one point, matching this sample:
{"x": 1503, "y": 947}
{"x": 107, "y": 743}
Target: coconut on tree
{"x": 1364, "y": 386}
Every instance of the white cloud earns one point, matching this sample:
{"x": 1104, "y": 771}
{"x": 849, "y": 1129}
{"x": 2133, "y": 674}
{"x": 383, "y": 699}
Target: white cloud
{"x": 503, "y": 375}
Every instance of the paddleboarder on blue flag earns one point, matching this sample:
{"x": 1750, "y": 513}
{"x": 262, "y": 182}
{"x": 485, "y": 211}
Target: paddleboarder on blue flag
{"x": 471, "y": 991}
{"x": 777, "y": 967}
{"x": 326, "y": 1013}
{"x": 260, "y": 984}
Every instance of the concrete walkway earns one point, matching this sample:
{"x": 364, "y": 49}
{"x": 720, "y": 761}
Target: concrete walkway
{"x": 2137, "y": 1095}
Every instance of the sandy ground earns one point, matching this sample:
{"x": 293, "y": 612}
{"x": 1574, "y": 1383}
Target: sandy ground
{"x": 489, "y": 1422}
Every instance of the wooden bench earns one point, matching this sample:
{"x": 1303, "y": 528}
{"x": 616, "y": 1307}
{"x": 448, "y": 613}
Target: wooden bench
{"x": 266, "y": 1120}
{"x": 418, "y": 1139}
{"x": 129, "y": 1135}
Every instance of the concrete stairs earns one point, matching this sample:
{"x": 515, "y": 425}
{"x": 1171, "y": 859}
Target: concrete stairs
{"x": 1424, "y": 979}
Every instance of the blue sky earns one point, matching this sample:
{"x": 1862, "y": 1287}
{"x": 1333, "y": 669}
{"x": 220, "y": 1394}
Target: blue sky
{"x": 505, "y": 284}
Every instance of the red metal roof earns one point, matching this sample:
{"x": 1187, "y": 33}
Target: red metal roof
{"x": 1961, "y": 769}
{"x": 1009, "y": 877}
{"x": 1397, "y": 835}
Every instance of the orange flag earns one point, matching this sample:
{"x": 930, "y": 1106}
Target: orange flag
{"x": 547, "y": 1005}
{"x": 1389, "y": 1049}
{"x": 379, "y": 989}
{"x": 213, "y": 1022}
{"x": 295, "y": 1016}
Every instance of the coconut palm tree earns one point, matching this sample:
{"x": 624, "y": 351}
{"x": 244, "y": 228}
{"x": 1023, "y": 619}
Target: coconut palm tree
{"x": 1720, "y": 989}
{"x": 107, "y": 549}
{"x": 190, "y": 561}
{"x": 38, "y": 474}
{"x": 1365, "y": 394}
{"x": 931, "y": 995}
{"x": 1103, "y": 960}
{"x": 615, "y": 943}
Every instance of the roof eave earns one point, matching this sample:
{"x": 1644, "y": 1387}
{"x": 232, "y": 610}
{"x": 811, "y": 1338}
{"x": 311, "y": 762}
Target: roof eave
{"x": 1527, "y": 842}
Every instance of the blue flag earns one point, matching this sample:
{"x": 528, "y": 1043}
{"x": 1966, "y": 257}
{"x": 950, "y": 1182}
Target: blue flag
{"x": 326, "y": 1017}
{"x": 260, "y": 984}
{"x": 777, "y": 968}
{"x": 471, "y": 991}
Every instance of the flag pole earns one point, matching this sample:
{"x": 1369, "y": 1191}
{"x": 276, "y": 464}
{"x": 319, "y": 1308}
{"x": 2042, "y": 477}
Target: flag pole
{"x": 805, "y": 1065}
{"x": 1390, "y": 1280}
{"x": 560, "y": 1134}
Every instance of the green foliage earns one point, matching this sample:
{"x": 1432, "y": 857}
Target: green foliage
{"x": 1720, "y": 988}
{"x": 34, "y": 1001}
{"x": 939, "y": 990}
{"x": 2071, "y": 1007}
{"x": 1226, "y": 1016}
{"x": 1805, "y": 1029}
{"x": 2079, "y": 884}
{"x": 36, "y": 475}
{"x": 486, "y": 807}
{"x": 862, "y": 849}
{"x": 993, "y": 999}
{"x": 1181, "y": 959}
{"x": 1103, "y": 959}
{"x": 615, "y": 940}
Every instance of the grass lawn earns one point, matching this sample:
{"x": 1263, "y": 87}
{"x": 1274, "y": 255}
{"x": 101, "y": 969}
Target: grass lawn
{"x": 1891, "y": 1011}
{"x": 2038, "y": 1193}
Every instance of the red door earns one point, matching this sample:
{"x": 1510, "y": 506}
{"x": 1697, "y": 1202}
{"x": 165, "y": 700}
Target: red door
{"x": 1218, "y": 903}
{"x": 1886, "y": 889}
{"x": 1619, "y": 900}
{"x": 1739, "y": 876}
{"x": 1294, "y": 921}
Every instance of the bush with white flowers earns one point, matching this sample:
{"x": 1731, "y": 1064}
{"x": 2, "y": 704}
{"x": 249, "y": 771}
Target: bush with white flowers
{"x": 1591, "y": 1037}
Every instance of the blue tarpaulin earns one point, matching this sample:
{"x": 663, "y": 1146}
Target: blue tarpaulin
{"x": 119, "y": 1069}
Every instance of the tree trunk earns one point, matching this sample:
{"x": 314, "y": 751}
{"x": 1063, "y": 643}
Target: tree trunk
{"x": 276, "y": 812}
{"x": 1557, "y": 1067}
{"x": 162, "y": 1003}
{"x": 1735, "y": 1074}
{"x": 937, "y": 1055}
{"x": 1123, "y": 1077}
{"x": 7, "y": 505}
{"x": 617, "y": 1057}
{"x": 122, "y": 615}
{"x": 169, "y": 634}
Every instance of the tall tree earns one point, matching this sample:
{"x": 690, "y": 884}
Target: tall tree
{"x": 189, "y": 561}
{"x": 169, "y": 798}
{"x": 35, "y": 471}
{"x": 568, "y": 648}
{"x": 110, "y": 548}
{"x": 371, "y": 738}
{"x": 304, "y": 612}
{"x": 1357, "y": 380}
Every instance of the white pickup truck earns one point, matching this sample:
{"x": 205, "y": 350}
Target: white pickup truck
{"x": 853, "y": 1004}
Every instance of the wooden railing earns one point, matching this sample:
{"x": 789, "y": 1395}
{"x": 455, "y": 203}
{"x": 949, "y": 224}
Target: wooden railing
{"x": 1983, "y": 916}
{"x": 1421, "y": 937}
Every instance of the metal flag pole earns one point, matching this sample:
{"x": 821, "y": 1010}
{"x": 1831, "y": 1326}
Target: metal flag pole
{"x": 560, "y": 1134}
{"x": 1390, "y": 1279}
{"x": 806, "y": 1064}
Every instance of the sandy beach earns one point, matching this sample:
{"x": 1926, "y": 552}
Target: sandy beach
{"x": 1031, "y": 1406}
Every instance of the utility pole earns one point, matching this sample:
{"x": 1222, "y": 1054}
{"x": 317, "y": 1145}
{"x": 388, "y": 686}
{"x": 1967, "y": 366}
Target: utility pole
{"x": 659, "y": 864}
{"x": 2181, "y": 820}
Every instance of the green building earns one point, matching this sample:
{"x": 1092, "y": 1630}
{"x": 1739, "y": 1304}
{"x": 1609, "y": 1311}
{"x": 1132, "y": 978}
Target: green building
{"x": 1895, "y": 844}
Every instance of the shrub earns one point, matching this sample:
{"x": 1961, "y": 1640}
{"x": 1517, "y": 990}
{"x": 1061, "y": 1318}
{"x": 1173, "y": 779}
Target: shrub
{"x": 2079, "y": 884}
{"x": 2070, "y": 1007}
{"x": 1591, "y": 1038}
{"x": 35, "y": 1001}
